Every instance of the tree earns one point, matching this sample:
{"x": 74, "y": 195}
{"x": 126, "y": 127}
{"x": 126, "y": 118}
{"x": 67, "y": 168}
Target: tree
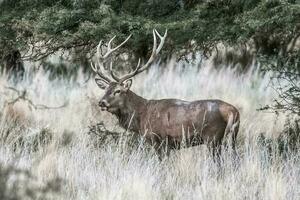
{"x": 41, "y": 28}
{"x": 37, "y": 29}
{"x": 286, "y": 81}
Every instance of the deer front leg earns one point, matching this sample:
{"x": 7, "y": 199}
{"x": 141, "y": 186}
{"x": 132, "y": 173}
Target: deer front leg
{"x": 158, "y": 145}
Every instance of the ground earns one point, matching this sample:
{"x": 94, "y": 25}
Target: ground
{"x": 111, "y": 171}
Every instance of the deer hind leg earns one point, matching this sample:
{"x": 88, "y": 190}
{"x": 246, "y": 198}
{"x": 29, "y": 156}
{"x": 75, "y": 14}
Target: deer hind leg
{"x": 215, "y": 150}
{"x": 231, "y": 132}
{"x": 235, "y": 132}
{"x": 158, "y": 150}
{"x": 212, "y": 138}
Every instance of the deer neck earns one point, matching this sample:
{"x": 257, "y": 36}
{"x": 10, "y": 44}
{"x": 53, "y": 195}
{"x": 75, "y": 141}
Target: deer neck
{"x": 129, "y": 116}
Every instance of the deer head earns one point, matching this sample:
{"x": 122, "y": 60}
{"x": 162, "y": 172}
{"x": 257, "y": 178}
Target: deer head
{"x": 116, "y": 88}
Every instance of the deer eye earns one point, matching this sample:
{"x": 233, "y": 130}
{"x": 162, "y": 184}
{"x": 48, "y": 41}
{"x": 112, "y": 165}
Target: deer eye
{"x": 117, "y": 92}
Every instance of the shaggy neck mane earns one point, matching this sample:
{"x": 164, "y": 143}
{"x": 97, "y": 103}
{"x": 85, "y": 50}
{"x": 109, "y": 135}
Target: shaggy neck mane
{"x": 129, "y": 115}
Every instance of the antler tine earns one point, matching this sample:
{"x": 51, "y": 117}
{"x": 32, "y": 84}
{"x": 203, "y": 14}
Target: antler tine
{"x": 138, "y": 65}
{"x": 102, "y": 59}
{"x": 110, "y": 41}
{"x": 153, "y": 54}
{"x": 162, "y": 40}
{"x": 111, "y": 50}
{"x": 100, "y": 74}
{"x": 122, "y": 43}
{"x": 98, "y": 69}
{"x": 155, "y": 51}
{"x": 99, "y": 55}
{"x": 112, "y": 73}
{"x": 99, "y": 48}
{"x": 93, "y": 67}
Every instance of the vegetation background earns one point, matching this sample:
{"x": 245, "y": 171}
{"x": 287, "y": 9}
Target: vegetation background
{"x": 54, "y": 137}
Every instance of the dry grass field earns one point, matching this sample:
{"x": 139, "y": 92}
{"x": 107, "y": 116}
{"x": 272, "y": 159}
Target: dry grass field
{"x": 53, "y": 142}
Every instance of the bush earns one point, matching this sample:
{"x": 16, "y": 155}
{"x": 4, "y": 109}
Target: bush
{"x": 288, "y": 142}
{"x": 286, "y": 81}
{"x": 18, "y": 184}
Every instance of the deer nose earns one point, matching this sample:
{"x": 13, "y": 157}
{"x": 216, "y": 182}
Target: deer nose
{"x": 103, "y": 103}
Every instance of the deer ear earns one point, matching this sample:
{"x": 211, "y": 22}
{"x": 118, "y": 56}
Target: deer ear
{"x": 127, "y": 84}
{"x": 102, "y": 84}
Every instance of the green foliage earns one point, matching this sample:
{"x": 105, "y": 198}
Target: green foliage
{"x": 272, "y": 25}
{"x": 74, "y": 27}
{"x": 68, "y": 24}
{"x": 286, "y": 81}
{"x": 41, "y": 28}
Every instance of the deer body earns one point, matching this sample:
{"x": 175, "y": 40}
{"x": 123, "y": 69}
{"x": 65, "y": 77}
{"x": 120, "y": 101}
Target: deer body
{"x": 165, "y": 120}
{"x": 195, "y": 122}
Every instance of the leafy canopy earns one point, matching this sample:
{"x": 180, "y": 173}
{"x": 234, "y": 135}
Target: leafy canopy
{"x": 39, "y": 28}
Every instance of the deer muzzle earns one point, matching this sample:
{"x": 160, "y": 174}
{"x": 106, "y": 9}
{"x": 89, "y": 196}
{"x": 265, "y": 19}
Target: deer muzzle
{"x": 104, "y": 105}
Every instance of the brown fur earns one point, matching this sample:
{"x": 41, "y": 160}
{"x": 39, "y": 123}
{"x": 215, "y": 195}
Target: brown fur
{"x": 196, "y": 122}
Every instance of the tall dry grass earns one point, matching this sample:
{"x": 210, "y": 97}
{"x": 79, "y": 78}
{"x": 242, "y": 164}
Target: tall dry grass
{"x": 52, "y": 143}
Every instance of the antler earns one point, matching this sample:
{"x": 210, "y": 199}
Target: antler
{"x": 103, "y": 58}
{"x": 139, "y": 68}
{"x": 154, "y": 53}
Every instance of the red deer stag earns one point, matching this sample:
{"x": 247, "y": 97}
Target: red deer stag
{"x": 164, "y": 121}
